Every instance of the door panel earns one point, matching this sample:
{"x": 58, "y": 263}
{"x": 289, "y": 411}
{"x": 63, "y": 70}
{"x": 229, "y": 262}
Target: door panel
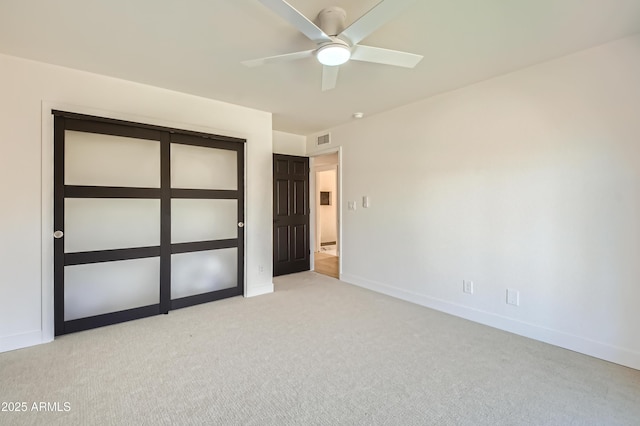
{"x": 282, "y": 244}
{"x": 300, "y": 245}
{"x": 299, "y": 167}
{"x": 207, "y": 220}
{"x": 203, "y": 272}
{"x": 149, "y": 218}
{"x": 300, "y": 198}
{"x": 110, "y": 223}
{"x": 199, "y": 167}
{"x": 281, "y": 166}
{"x": 290, "y": 214}
{"x": 281, "y": 197}
{"x": 100, "y": 288}
{"x": 108, "y": 160}
{"x": 203, "y": 220}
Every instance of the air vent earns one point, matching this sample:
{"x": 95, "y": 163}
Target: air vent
{"x": 324, "y": 139}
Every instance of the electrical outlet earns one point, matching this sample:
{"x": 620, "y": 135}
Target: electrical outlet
{"x": 513, "y": 297}
{"x": 260, "y": 268}
{"x": 467, "y": 286}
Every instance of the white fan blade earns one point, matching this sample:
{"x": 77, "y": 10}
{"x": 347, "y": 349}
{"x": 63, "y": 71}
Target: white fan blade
{"x": 329, "y": 77}
{"x": 297, "y": 19}
{"x": 385, "y": 56}
{"x": 287, "y": 57}
{"x": 379, "y": 15}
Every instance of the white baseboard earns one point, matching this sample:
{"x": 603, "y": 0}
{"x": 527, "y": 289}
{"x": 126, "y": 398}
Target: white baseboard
{"x": 23, "y": 340}
{"x": 622, "y": 356}
{"x": 259, "y": 290}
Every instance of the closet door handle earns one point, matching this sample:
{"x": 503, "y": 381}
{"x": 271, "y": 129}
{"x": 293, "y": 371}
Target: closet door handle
{"x": 58, "y": 234}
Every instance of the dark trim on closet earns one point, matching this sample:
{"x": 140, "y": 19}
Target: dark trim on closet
{"x": 77, "y": 191}
{"x": 97, "y": 125}
{"x": 165, "y": 224}
{"x": 58, "y": 224}
{"x": 219, "y": 194}
{"x": 165, "y": 136}
{"x": 142, "y": 126}
{"x": 197, "y": 299}
{"x": 84, "y": 257}
{"x": 203, "y": 246}
{"x": 110, "y": 318}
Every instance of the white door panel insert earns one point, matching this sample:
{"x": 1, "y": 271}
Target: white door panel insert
{"x": 197, "y": 167}
{"x": 100, "y": 288}
{"x": 110, "y": 223}
{"x": 105, "y": 160}
{"x": 203, "y": 220}
{"x": 203, "y": 271}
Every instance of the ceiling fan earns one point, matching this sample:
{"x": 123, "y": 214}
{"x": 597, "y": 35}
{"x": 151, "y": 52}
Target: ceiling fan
{"x": 335, "y": 44}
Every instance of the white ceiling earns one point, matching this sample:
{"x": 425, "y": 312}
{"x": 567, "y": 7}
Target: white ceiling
{"x": 196, "y": 46}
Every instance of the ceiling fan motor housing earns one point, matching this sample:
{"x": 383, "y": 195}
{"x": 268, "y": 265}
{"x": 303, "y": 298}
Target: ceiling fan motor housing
{"x": 331, "y": 20}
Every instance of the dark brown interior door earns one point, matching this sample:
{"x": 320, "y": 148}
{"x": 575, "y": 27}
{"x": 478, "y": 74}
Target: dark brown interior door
{"x": 290, "y": 214}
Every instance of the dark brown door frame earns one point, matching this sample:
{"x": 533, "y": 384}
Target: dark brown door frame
{"x": 291, "y": 214}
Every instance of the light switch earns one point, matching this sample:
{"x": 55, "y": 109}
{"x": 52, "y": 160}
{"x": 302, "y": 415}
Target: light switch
{"x": 365, "y": 201}
{"x": 351, "y": 205}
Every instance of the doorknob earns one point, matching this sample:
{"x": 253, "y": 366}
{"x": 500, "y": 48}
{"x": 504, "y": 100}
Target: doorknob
{"x": 58, "y": 234}
{"x": 240, "y": 224}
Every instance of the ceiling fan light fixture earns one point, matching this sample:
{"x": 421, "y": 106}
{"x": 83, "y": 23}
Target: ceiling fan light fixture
{"x": 333, "y": 54}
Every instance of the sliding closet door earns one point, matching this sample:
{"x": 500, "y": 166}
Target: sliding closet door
{"x": 207, "y": 219}
{"x": 146, "y": 220}
{"x": 107, "y": 219}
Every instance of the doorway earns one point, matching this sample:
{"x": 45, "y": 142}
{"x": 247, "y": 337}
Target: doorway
{"x": 291, "y": 214}
{"x": 327, "y": 230}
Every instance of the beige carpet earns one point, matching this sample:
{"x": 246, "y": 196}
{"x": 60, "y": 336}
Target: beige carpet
{"x": 316, "y": 352}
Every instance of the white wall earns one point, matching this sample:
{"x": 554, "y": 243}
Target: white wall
{"x": 528, "y": 181}
{"x": 28, "y": 90}
{"x": 289, "y": 143}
